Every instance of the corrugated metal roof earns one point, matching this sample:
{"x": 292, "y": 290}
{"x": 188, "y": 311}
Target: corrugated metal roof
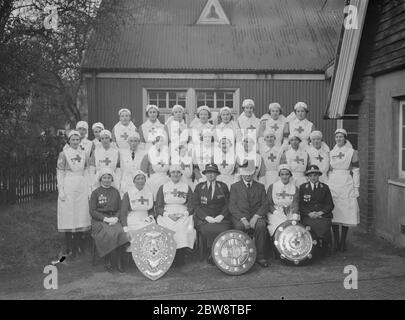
{"x": 264, "y": 36}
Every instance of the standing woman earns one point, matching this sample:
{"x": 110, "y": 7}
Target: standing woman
{"x": 137, "y": 205}
{"x": 224, "y": 158}
{"x": 276, "y": 122}
{"x": 130, "y": 162}
{"x": 106, "y": 229}
{"x": 123, "y": 129}
{"x": 175, "y": 211}
{"x": 85, "y": 144}
{"x": 73, "y": 189}
{"x": 105, "y": 156}
{"x": 97, "y": 128}
{"x": 156, "y": 163}
{"x": 203, "y": 154}
{"x": 227, "y": 126}
{"x": 298, "y": 123}
{"x": 344, "y": 184}
{"x": 271, "y": 154}
{"x": 176, "y": 127}
{"x": 183, "y": 156}
{"x": 151, "y": 127}
{"x": 201, "y": 123}
{"x": 297, "y": 158}
{"x": 248, "y": 120}
{"x": 318, "y": 152}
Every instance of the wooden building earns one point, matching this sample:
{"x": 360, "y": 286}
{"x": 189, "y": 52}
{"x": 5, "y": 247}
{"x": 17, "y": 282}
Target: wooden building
{"x": 215, "y": 52}
{"x": 368, "y": 96}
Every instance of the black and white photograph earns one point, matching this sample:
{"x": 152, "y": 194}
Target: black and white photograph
{"x": 214, "y": 153}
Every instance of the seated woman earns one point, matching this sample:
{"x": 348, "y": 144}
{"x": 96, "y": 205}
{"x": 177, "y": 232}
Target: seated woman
{"x": 210, "y": 202}
{"x": 137, "y": 205}
{"x": 283, "y": 198}
{"x": 108, "y": 234}
{"x": 175, "y": 208}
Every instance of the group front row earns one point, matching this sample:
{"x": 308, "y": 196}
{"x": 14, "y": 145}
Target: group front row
{"x": 211, "y": 209}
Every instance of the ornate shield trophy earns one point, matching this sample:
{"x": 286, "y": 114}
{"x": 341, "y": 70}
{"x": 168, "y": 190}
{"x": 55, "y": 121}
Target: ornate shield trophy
{"x": 294, "y": 242}
{"x": 153, "y": 250}
{"x": 234, "y": 252}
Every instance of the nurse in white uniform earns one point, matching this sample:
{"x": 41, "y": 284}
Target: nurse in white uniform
{"x": 73, "y": 194}
{"x": 130, "y": 162}
{"x": 123, "y": 129}
{"x": 175, "y": 212}
{"x": 271, "y": 154}
{"x": 276, "y": 122}
{"x": 201, "y": 123}
{"x": 151, "y": 127}
{"x": 97, "y": 128}
{"x": 227, "y": 126}
{"x": 224, "y": 158}
{"x": 137, "y": 210}
{"x": 297, "y": 158}
{"x": 318, "y": 152}
{"x": 102, "y": 157}
{"x": 344, "y": 184}
{"x": 299, "y": 125}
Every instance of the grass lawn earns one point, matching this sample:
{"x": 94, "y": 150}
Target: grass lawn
{"x": 28, "y": 235}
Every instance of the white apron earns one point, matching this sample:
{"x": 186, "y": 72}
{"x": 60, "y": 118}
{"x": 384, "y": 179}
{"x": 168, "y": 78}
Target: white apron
{"x": 175, "y": 197}
{"x": 150, "y": 131}
{"x": 283, "y": 196}
{"x": 106, "y": 158}
{"x": 198, "y": 129}
{"x": 160, "y": 162}
{"x": 140, "y": 202}
{"x": 277, "y": 126}
{"x": 302, "y": 128}
{"x": 320, "y": 158}
{"x": 121, "y": 134}
{"x": 298, "y": 161}
{"x": 271, "y": 158}
{"x": 229, "y": 130}
{"x": 226, "y": 166}
{"x": 346, "y": 211}
{"x": 177, "y": 131}
{"x": 128, "y": 167}
{"x": 73, "y": 213}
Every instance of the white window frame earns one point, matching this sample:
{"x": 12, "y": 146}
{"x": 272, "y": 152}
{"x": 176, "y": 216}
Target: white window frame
{"x": 401, "y": 172}
{"x": 191, "y": 100}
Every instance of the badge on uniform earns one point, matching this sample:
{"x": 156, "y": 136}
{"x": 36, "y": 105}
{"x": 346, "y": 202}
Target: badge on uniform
{"x": 204, "y": 200}
{"x": 102, "y": 199}
{"x": 307, "y": 197}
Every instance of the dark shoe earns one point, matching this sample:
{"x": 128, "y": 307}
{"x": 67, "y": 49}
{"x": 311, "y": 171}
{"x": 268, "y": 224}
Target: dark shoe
{"x": 263, "y": 263}
{"x": 210, "y": 260}
{"x": 107, "y": 264}
{"x": 120, "y": 261}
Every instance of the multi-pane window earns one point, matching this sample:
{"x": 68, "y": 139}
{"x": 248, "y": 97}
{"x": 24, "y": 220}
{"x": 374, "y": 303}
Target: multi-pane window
{"x": 167, "y": 99}
{"x": 215, "y": 98}
{"x": 402, "y": 140}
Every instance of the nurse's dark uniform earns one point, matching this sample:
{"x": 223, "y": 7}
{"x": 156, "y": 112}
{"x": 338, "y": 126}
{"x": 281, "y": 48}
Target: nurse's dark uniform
{"x": 206, "y": 205}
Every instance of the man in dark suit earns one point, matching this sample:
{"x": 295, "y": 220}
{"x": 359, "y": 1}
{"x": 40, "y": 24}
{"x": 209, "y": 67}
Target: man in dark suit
{"x": 248, "y": 206}
{"x": 210, "y": 202}
{"x": 316, "y": 207}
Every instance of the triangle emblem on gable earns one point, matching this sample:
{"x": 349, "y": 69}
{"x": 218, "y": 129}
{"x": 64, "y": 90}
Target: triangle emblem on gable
{"x": 213, "y": 13}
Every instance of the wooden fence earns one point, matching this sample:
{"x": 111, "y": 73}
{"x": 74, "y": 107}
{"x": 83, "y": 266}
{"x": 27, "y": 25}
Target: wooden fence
{"x": 22, "y": 181}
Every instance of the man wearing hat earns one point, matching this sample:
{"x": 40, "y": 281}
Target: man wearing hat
{"x": 316, "y": 206}
{"x": 210, "y": 202}
{"x": 248, "y": 206}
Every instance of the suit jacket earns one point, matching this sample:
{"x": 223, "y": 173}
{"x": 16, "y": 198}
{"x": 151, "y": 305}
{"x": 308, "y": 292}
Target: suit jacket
{"x": 244, "y": 203}
{"x": 318, "y": 200}
{"x": 205, "y": 206}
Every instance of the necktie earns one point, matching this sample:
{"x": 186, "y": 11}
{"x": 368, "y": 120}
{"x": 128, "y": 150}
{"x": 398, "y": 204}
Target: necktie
{"x": 249, "y": 185}
{"x": 210, "y": 192}
{"x": 133, "y": 155}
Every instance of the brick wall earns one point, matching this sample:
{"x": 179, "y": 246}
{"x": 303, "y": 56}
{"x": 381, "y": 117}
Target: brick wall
{"x": 366, "y": 151}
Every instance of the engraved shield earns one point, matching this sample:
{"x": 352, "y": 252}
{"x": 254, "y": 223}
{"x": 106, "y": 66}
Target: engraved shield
{"x": 153, "y": 250}
{"x": 234, "y": 252}
{"x": 294, "y": 242}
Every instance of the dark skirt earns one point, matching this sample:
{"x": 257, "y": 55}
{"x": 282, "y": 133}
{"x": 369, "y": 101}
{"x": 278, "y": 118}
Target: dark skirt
{"x": 321, "y": 227}
{"x": 107, "y": 238}
{"x": 210, "y": 231}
